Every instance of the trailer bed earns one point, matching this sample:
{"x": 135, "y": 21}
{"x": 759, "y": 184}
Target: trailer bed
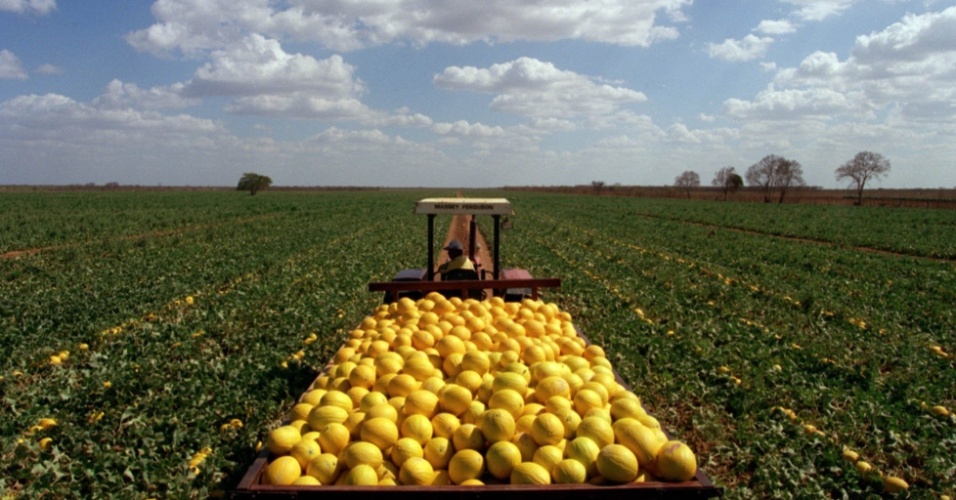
{"x": 700, "y": 487}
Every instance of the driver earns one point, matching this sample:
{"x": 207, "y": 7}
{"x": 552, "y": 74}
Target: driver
{"x": 456, "y": 259}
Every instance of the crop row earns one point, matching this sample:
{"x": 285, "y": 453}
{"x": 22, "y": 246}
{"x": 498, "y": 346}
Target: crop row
{"x": 770, "y": 361}
{"x": 155, "y": 338}
{"x": 162, "y": 364}
{"x": 926, "y": 233}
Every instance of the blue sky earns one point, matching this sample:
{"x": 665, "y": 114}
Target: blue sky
{"x": 480, "y": 94}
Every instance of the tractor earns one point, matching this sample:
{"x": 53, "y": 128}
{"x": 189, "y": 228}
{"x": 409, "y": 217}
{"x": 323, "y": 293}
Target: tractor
{"x": 512, "y": 284}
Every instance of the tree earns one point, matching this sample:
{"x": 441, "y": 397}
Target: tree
{"x": 775, "y": 173}
{"x": 597, "y": 186}
{"x": 728, "y": 180}
{"x": 864, "y": 166}
{"x": 253, "y": 182}
{"x": 687, "y": 180}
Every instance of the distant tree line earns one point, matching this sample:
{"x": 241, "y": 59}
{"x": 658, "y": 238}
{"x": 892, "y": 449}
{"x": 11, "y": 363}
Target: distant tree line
{"x": 774, "y": 175}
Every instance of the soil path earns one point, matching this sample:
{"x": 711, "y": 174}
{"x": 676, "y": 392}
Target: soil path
{"x": 459, "y": 231}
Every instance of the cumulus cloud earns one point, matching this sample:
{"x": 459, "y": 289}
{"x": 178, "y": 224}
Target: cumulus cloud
{"x": 119, "y": 95}
{"x": 910, "y": 65}
{"x": 775, "y": 27}
{"x": 791, "y": 104}
{"x": 818, "y": 10}
{"x": 59, "y": 140}
{"x": 28, "y": 6}
{"x": 263, "y": 79}
{"x": 462, "y": 128}
{"x": 920, "y": 39}
{"x": 529, "y": 87}
{"x": 749, "y": 48}
{"x": 10, "y": 67}
{"x": 191, "y": 26}
{"x": 38, "y": 118}
{"x": 259, "y": 66}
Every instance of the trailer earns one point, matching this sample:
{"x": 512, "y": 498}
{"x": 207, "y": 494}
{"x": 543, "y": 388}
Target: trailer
{"x": 504, "y": 285}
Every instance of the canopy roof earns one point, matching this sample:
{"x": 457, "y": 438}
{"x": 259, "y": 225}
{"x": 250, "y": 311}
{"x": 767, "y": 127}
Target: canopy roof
{"x": 464, "y": 206}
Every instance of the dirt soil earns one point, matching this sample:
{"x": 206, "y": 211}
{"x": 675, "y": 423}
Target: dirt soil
{"x": 459, "y": 231}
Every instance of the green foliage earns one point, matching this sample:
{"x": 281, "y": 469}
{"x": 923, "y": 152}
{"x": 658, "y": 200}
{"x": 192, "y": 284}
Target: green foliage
{"x": 179, "y": 339}
{"x": 253, "y": 182}
{"x": 171, "y": 342}
{"x": 718, "y": 330}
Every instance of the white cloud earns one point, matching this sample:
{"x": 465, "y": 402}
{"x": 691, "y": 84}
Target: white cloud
{"x": 462, "y": 128}
{"x": 910, "y": 65}
{"x": 191, "y": 26}
{"x": 896, "y": 91}
{"x": 58, "y": 140}
{"x": 259, "y": 66}
{"x": 266, "y": 80}
{"x": 775, "y": 27}
{"x": 28, "y": 6}
{"x": 10, "y": 68}
{"x": 789, "y": 104}
{"x": 49, "y": 69}
{"x": 529, "y": 87}
{"x": 552, "y": 125}
{"x": 263, "y": 79}
{"x": 749, "y": 48}
{"x": 920, "y": 39}
{"x": 119, "y": 95}
{"x": 45, "y": 114}
{"x": 818, "y": 10}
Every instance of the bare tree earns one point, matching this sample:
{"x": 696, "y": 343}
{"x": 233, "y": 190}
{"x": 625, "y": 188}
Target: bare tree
{"x": 687, "y": 180}
{"x": 597, "y": 186}
{"x": 789, "y": 173}
{"x": 864, "y": 166}
{"x": 775, "y": 173}
{"x": 728, "y": 180}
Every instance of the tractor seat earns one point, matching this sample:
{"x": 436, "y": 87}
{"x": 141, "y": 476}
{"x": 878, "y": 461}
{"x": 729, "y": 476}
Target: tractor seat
{"x": 459, "y": 275}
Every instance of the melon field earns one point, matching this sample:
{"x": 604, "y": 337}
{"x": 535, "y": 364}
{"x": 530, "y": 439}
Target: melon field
{"x": 151, "y": 340}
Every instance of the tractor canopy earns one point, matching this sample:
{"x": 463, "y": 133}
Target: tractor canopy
{"x": 463, "y": 206}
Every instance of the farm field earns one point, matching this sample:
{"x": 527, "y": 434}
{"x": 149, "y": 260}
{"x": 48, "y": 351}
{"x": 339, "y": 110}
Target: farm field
{"x": 164, "y": 333}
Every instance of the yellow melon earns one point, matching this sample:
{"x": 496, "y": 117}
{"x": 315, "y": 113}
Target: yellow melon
{"x": 282, "y": 471}
{"x": 465, "y": 465}
{"x": 325, "y": 468}
{"x": 416, "y": 472}
{"x": 547, "y": 429}
{"x": 361, "y": 475}
{"x": 438, "y": 452}
{"x": 569, "y": 471}
{"x": 640, "y": 439}
{"x": 501, "y": 458}
{"x": 282, "y": 439}
{"x": 381, "y": 432}
{"x": 530, "y": 473}
{"x": 405, "y": 448}
{"x": 676, "y": 462}
{"x": 617, "y": 464}
{"x": 497, "y": 424}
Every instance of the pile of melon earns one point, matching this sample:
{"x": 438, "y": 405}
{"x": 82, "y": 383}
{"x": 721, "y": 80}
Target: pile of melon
{"x": 445, "y": 391}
